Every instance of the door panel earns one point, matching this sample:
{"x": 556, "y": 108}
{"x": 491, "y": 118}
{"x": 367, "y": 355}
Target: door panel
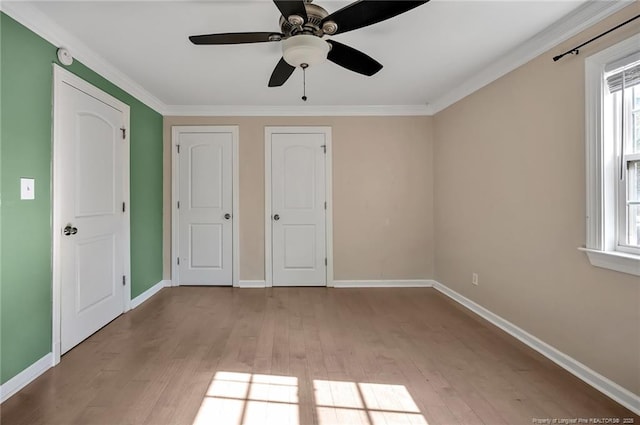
{"x": 206, "y": 246}
{"x": 298, "y": 199}
{"x": 95, "y": 165}
{"x": 90, "y": 191}
{"x": 299, "y": 177}
{"x": 206, "y": 176}
{"x": 205, "y": 194}
{"x": 95, "y": 269}
{"x": 299, "y": 246}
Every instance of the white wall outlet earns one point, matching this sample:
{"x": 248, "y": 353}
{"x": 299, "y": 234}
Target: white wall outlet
{"x": 474, "y": 278}
{"x": 27, "y": 188}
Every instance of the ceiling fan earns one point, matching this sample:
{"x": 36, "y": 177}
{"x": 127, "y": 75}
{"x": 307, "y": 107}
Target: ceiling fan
{"x": 303, "y": 26}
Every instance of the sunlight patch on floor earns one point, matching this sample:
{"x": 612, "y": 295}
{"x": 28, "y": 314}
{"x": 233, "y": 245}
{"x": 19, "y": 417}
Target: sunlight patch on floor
{"x": 388, "y": 397}
{"x": 258, "y": 399}
{"x": 340, "y": 402}
{"x": 250, "y": 399}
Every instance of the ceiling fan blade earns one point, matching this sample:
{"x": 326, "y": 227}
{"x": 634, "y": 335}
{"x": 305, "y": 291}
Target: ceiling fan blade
{"x": 292, "y": 7}
{"x": 281, "y": 73}
{"x": 236, "y": 38}
{"x": 352, "y": 59}
{"x": 368, "y": 12}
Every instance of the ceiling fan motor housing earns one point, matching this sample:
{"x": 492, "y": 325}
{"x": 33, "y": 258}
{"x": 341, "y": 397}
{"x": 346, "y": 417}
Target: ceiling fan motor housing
{"x": 315, "y": 15}
{"x": 304, "y": 49}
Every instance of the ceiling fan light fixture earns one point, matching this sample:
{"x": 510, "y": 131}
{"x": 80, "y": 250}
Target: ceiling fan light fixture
{"x": 304, "y": 48}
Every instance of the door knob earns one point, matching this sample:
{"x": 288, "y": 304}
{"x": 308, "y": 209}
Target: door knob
{"x": 276, "y": 217}
{"x": 70, "y": 230}
{"x": 227, "y": 216}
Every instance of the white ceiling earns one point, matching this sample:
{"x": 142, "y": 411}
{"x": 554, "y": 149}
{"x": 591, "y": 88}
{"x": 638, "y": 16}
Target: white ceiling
{"x": 427, "y": 52}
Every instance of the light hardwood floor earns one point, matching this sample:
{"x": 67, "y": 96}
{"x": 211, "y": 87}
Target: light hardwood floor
{"x": 300, "y": 356}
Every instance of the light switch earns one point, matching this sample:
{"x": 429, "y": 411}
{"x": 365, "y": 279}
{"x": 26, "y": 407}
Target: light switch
{"x": 27, "y": 188}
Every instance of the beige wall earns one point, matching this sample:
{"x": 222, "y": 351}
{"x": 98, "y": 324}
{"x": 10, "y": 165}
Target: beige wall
{"x": 510, "y": 205}
{"x": 382, "y": 194}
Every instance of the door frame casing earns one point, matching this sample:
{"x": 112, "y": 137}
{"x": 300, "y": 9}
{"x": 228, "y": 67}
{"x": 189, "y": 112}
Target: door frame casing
{"x": 235, "y": 177}
{"x": 268, "y": 247}
{"x": 60, "y": 77}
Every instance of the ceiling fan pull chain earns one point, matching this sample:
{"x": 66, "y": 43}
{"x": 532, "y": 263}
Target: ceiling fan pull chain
{"x": 304, "y": 67}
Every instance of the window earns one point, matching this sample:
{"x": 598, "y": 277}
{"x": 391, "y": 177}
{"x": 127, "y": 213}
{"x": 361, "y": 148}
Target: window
{"x": 622, "y": 130}
{"x": 613, "y": 157}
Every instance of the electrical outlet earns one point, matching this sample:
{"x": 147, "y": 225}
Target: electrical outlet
{"x": 474, "y": 278}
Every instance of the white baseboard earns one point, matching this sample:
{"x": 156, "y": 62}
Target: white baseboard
{"x": 252, "y": 284}
{"x": 25, "y": 377}
{"x": 412, "y": 283}
{"x": 149, "y": 293}
{"x": 606, "y": 386}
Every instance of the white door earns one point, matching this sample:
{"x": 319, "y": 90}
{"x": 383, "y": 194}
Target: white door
{"x": 205, "y": 207}
{"x": 298, "y": 209}
{"x": 90, "y": 192}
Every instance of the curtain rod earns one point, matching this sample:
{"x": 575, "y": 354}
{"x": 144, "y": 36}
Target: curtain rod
{"x": 576, "y": 50}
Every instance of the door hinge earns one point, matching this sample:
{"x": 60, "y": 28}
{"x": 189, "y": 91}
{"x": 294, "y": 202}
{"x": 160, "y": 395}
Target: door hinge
{"x": 178, "y": 204}
{"x": 325, "y": 261}
{"x": 324, "y": 148}
{"x": 178, "y": 147}
{"x": 124, "y": 133}
{"x": 124, "y": 280}
{"x": 124, "y": 208}
{"x": 178, "y": 260}
{"x": 325, "y": 205}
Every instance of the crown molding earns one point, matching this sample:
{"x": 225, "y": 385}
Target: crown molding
{"x": 36, "y": 21}
{"x": 582, "y": 18}
{"x": 579, "y": 20}
{"x": 298, "y": 111}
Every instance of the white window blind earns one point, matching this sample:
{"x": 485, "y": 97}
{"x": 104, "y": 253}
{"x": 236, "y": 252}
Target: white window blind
{"x": 625, "y": 73}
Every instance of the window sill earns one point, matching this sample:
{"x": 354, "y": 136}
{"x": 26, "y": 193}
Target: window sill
{"x": 614, "y": 260}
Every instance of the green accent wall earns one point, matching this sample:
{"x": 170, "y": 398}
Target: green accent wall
{"x": 26, "y": 77}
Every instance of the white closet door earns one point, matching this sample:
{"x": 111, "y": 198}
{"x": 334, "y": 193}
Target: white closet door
{"x": 205, "y": 208}
{"x": 298, "y": 209}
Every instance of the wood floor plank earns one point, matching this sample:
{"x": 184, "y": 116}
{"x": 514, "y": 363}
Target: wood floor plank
{"x": 303, "y": 356}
